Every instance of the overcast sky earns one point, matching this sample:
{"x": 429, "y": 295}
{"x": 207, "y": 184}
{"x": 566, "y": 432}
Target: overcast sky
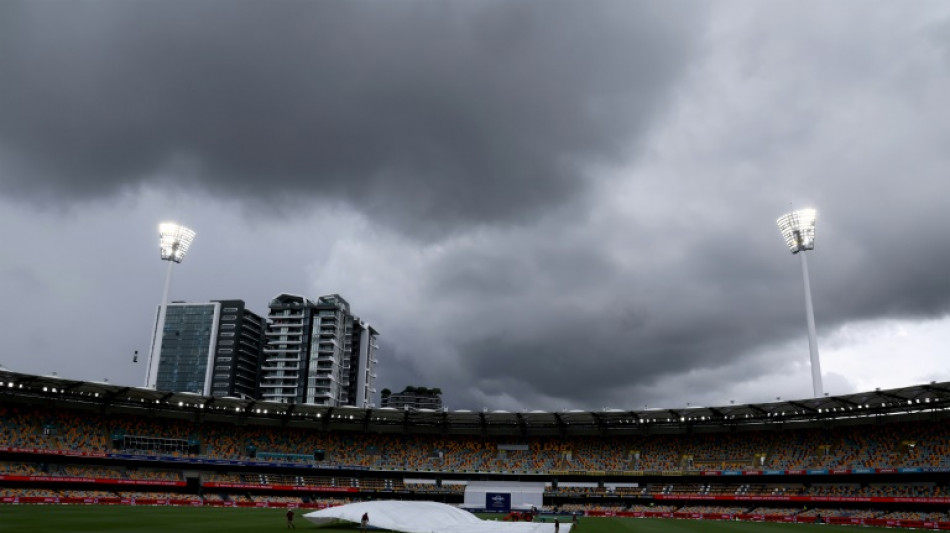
{"x": 540, "y": 205}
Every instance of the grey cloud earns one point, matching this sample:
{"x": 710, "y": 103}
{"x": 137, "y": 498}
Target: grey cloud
{"x": 658, "y": 276}
{"x": 424, "y": 115}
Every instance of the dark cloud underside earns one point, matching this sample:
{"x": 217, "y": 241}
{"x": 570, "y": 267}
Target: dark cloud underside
{"x": 415, "y": 112}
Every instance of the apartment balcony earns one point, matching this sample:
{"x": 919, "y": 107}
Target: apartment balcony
{"x": 278, "y": 382}
{"x": 275, "y": 386}
{"x": 293, "y": 366}
{"x": 270, "y": 369}
{"x": 268, "y": 366}
{"x": 283, "y": 357}
{"x": 279, "y": 375}
{"x": 292, "y": 316}
{"x": 249, "y": 378}
{"x": 278, "y": 332}
{"x": 278, "y": 396}
{"x": 275, "y": 344}
{"x": 289, "y": 340}
{"x": 282, "y": 350}
{"x": 292, "y": 326}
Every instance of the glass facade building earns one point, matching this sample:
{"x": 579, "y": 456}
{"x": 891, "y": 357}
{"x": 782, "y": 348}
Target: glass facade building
{"x": 212, "y": 349}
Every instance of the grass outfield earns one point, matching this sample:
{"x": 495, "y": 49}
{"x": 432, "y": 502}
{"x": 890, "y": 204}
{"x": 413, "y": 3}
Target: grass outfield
{"x": 121, "y": 518}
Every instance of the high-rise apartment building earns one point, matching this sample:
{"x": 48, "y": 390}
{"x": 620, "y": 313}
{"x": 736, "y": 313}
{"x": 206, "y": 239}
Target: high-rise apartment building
{"x": 239, "y": 352}
{"x": 213, "y": 349}
{"x": 318, "y": 352}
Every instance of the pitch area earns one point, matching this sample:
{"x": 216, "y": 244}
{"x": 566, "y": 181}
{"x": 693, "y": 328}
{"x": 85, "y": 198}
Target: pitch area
{"x": 125, "y": 519}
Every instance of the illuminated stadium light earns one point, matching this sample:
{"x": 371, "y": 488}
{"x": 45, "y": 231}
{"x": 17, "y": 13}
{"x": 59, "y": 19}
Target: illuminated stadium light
{"x": 173, "y": 243}
{"x": 798, "y": 230}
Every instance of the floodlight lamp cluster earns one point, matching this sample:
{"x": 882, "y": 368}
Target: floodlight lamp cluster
{"x": 798, "y": 229}
{"x": 175, "y": 240}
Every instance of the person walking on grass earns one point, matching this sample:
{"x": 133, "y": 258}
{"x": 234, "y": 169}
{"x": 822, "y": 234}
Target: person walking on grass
{"x": 364, "y": 522}
{"x": 290, "y": 519}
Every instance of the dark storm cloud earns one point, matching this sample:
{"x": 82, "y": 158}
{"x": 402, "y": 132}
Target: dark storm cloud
{"x": 576, "y": 318}
{"x": 427, "y": 114}
{"x": 644, "y": 267}
{"x": 703, "y": 284}
{"x": 574, "y": 329}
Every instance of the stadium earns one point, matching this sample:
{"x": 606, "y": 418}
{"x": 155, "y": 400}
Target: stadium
{"x": 877, "y": 458}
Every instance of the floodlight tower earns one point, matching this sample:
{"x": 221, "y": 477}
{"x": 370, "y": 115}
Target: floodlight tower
{"x": 174, "y": 240}
{"x": 798, "y": 229}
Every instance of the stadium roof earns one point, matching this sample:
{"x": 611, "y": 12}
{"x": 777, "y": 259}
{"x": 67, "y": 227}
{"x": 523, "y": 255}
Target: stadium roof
{"x": 916, "y": 401}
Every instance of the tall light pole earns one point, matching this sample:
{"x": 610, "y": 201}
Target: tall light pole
{"x": 798, "y": 229}
{"x": 174, "y": 240}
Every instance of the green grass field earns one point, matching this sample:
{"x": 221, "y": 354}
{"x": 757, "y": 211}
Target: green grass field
{"x": 93, "y": 518}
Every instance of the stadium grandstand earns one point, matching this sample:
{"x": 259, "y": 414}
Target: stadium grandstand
{"x": 875, "y": 458}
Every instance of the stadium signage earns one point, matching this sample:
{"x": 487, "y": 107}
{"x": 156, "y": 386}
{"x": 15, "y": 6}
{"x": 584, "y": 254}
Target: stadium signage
{"x": 224, "y": 485}
{"x": 97, "y": 481}
{"x": 802, "y": 499}
{"x": 73, "y": 453}
{"x": 153, "y": 501}
{"x": 886, "y": 522}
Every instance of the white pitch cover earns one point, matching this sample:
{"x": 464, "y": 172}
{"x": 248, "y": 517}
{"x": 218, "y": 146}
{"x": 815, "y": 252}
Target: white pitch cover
{"x": 425, "y": 517}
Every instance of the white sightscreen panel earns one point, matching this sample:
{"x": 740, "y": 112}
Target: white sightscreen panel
{"x": 523, "y": 495}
